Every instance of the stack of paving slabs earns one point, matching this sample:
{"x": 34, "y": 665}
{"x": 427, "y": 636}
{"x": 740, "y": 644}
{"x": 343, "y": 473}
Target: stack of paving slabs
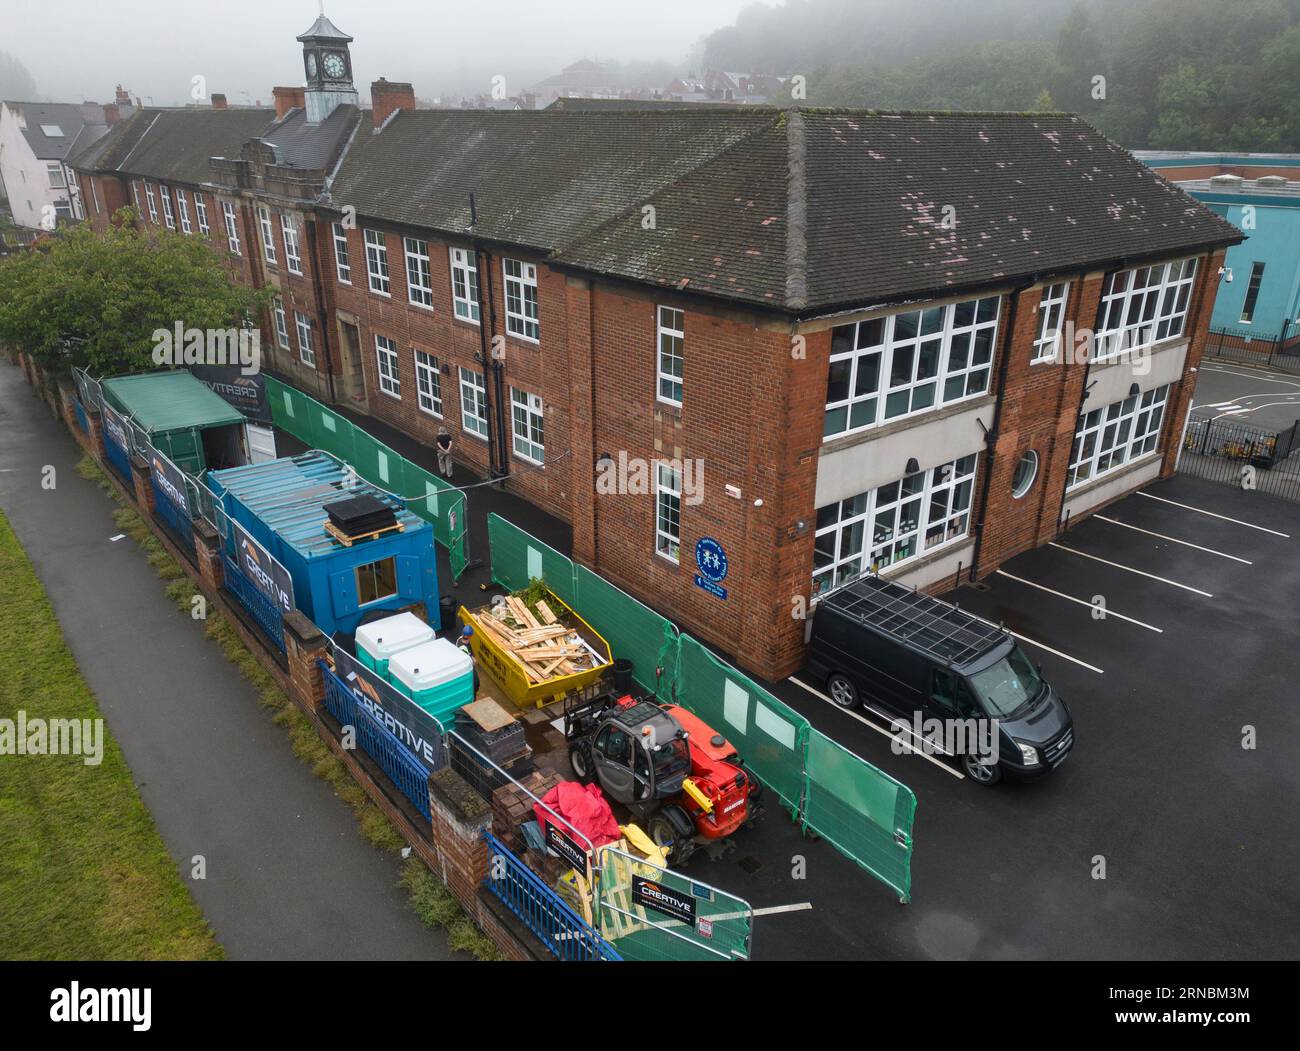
{"x": 494, "y": 732}
{"x": 359, "y": 517}
{"x": 512, "y": 806}
{"x": 541, "y": 642}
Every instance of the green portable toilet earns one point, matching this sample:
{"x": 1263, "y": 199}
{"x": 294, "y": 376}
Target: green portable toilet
{"x": 380, "y": 640}
{"x": 436, "y": 675}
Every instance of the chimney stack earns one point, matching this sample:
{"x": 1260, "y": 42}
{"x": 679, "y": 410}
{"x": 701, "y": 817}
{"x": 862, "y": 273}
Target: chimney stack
{"x": 123, "y": 97}
{"x": 388, "y": 97}
{"x": 287, "y": 99}
{"x": 218, "y": 101}
{"x": 112, "y": 113}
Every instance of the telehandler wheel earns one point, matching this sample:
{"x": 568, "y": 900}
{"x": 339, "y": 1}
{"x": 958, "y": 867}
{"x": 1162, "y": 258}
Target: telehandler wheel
{"x": 580, "y": 759}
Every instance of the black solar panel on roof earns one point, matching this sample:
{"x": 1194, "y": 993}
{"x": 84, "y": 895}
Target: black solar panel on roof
{"x": 935, "y": 627}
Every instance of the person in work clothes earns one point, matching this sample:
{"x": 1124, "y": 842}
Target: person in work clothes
{"x": 443, "y": 445}
{"x": 463, "y": 644}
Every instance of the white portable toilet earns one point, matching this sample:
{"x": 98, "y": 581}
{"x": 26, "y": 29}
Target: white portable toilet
{"x": 379, "y": 640}
{"x": 436, "y": 675}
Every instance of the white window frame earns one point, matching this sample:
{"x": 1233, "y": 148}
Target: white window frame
{"x": 670, "y": 346}
{"x": 342, "y": 261}
{"x": 135, "y": 192}
{"x": 292, "y": 248}
{"x": 1111, "y": 437}
{"x": 428, "y": 383}
{"x": 668, "y": 512}
{"x": 281, "y": 323}
{"x": 1143, "y": 306}
{"x": 153, "y": 203}
{"x": 377, "y": 263}
{"x": 232, "y": 227}
{"x": 419, "y": 274}
{"x": 917, "y": 515}
{"x": 306, "y": 351}
{"x": 201, "y": 213}
{"x": 1051, "y": 316}
{"x": 183, "y": 210}
{"x": 961, "y": 337}
{"x": 169, "y": 216}
{"x": 529, "y": 413}
{"x": 464, "y": 284}
{"x": 268, "y": 235}
{"x": 473, "y": 403}
{"x": 55, "y": 168}
{"x": 521, "y": 322}
{"x": 390, "y": 380}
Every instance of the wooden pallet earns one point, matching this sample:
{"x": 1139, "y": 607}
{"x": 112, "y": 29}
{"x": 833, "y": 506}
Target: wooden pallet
{"x": 348, "y": 541}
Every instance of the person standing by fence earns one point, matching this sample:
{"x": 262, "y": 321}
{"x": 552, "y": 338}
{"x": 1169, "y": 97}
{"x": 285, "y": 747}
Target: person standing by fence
{"x": 443, "y": 445}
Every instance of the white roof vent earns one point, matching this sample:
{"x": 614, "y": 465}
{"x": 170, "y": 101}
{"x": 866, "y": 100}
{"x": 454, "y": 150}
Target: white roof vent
{"x": 1227, "y": 181}
{"x": 1270, "y": 181}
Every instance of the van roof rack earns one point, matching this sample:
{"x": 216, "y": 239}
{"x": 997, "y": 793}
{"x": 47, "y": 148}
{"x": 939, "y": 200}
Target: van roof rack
{"x": 937, "y": 628}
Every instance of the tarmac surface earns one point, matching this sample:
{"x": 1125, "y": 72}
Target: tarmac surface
{"x": 1242, "y": 394}
{"x": 288, "y": 875}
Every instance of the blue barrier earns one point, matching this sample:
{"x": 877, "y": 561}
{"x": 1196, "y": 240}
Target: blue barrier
{"x": 80, "y": 410}
{"x": 396, "y": 760}
{"x": 117, "y": 457}
{"x": 566, "y": 934}
{"x": 177, "y": 521}
{"x": 263, "y": 610}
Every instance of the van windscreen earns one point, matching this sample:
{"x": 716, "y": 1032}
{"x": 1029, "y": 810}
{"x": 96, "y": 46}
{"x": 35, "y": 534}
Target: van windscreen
{"x": 1007, "y": 685}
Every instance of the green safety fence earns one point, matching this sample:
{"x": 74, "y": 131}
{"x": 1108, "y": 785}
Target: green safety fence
{"x": 863, "y": 812}
{"x": 432, "y": 498}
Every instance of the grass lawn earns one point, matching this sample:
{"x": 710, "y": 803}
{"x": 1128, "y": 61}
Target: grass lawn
{"x": 83, "y": 872}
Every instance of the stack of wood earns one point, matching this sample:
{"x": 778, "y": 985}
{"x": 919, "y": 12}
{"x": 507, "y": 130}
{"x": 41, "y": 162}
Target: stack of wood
{"x": 544, "y": 645}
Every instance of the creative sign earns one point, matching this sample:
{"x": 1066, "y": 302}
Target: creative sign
{"x": 566, "y": 847}
{"x": 711, "y": 560}
{"x": 170, "y": 479}
{"x": 245, "y": 393}
{"x": 115, "y": 426}
{"x": 405, "y": 720}
{"x": 654, "y": 895}
{"x": 265, "y": 573}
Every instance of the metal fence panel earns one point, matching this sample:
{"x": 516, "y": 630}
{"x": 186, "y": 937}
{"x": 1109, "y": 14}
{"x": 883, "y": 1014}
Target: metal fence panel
{"x": 1242, "y": 455}
{"x": 265, "y": 612}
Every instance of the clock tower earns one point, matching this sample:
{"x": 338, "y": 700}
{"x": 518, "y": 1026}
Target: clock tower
{"x": 328, "y": 65}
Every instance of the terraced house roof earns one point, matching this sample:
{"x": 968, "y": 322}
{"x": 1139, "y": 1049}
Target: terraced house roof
{"x": 799, "y": 210}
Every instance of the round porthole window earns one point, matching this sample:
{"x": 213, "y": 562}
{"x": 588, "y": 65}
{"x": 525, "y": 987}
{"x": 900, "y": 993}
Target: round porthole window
{"x": 1026, "y": 472}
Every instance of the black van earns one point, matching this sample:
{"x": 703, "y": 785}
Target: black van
{"x": 906, "y": 653}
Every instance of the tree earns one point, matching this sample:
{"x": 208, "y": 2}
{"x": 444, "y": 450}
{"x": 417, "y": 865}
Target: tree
{"x": 15, "y": 81}
{"x": 82, "y": 299}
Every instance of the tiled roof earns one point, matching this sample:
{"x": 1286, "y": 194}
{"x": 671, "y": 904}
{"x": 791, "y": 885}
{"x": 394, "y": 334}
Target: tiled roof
{"x": 803, "y": 210}
{"x": 80, "y": 125}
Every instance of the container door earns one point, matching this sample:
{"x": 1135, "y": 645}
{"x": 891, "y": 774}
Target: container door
{"x": 343, "y": 592}
{"x": 261, "y": 443}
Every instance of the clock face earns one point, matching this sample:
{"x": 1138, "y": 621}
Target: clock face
{"x": 334, "y": 65}
{"x": 311, "y": 63}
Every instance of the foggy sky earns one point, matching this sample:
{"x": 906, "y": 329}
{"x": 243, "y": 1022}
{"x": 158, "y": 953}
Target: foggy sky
{"x": 80, "y": 49}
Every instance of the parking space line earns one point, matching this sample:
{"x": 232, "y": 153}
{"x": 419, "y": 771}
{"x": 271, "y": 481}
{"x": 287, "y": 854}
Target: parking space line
{"x": 1212, "y": 514}
{"x": 881, "y": 730}
{"x": 1060, "y": 594}
{"x": 1130, "y": 569}
{"x": 1172, "y": 539}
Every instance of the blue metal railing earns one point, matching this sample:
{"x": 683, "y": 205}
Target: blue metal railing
{"x": 401, "y": 765}
{"x": 566, "y": 934}
{"x": 118, "y": 457}
{"x": 176, "y": 520}
{"x": 264, "y": 611}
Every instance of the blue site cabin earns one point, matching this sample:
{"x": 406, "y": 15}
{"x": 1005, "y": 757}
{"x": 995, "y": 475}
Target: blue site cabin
{"x": 281, "y": 505}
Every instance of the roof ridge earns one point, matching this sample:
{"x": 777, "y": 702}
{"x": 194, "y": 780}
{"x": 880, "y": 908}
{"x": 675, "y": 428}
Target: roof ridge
{"x": 796, "y": 209}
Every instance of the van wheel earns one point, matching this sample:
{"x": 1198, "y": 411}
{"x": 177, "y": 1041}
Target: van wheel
{"x": 580, "y": 760}
{"x": 981, "y": 773}
{"x": 842, "y": 691}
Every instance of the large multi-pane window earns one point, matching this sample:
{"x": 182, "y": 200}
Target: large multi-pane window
{"x": 377, "y": 262}
{"x": 464, "y": 283}
{"x": 201, "y": 213}
{"x": 135, "y": 193}
{"x": 386, "y": 356}
{"x": 183, "y": 207}
{"x": 1051, "y": 313}
{"x": 306, "y": 352}
{"x": 281, "y": 324}
{"x": 1143, "y": 306}
{"x": 419, "y": 281}
{"x": 342, "y": 263}
{"x": 292, "y": 255}
{"x": 526, "y": 416}
{"x": 169, "y": 217}
{"x": 1252, "y": 293}
{"x": 521, "y": 299}
{"x": 54, "y": 170}
{"x": 902, "y": 364}
{"x": 153, "y": 204}
{"x": 473, "y": 403}
{"x": 232, "y": 229}
{"x": 671, "y": 339}
{"x": 428, "y": 383}
{"x": 268, "y": 234}
{"x": 668, "y": 511}
{"x": 1107, "y": 438}
{"x": 892, "y": 523}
